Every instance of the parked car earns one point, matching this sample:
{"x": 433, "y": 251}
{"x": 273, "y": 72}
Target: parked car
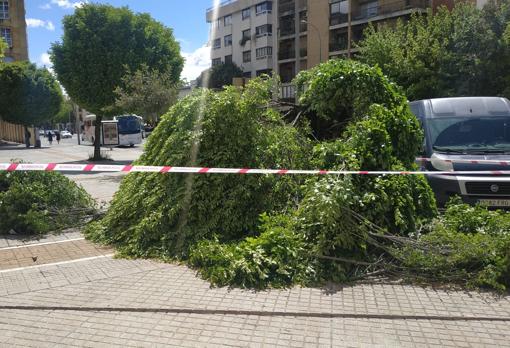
{"x": 458, "y": 133}
{"x": 65, "y": 134}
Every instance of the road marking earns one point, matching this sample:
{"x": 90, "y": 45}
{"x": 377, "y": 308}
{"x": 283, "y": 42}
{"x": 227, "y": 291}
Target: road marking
{"x": 56, "y": 263}
{"x": 39, "y": 244}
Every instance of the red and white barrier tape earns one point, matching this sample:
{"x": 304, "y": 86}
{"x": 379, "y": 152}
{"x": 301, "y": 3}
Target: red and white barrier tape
{"x": 10, "y": 167}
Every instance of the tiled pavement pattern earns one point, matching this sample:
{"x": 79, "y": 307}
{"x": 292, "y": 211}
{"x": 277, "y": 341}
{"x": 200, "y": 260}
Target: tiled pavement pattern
{"x": 108, "y": 302}
{"x": 37, "y": 254}
{"x": 19, "y": 240}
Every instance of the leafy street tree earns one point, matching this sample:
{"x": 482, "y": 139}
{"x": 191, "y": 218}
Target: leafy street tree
{"x": 148, "y": 93}
{"x": 28, "y": 95}
{"x": 460, "y": 52}
{"x": 102, "y": 43}
{"x": 64, "y": 113}
{"x": 219, "y": 75}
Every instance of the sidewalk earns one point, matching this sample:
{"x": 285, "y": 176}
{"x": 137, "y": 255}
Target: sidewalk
{"x": 113, "y": 302}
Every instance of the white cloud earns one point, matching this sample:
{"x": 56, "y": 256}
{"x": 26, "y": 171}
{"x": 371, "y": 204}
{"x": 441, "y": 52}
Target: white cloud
{"x": 39, "y": 23}
{"x": 196, "y": 62}
{"x": 45, "y": 59}
{"x": 67, "y": 4}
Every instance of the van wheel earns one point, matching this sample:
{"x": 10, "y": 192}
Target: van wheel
{"x": 131, "y": 145}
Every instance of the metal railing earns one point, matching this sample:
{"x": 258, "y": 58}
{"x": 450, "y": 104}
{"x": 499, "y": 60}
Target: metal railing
{"x": 286, "y": 54}
{"x": 288, "y": 91}
{"x": 379, "y": 10}
{"x": 284, "y": 7}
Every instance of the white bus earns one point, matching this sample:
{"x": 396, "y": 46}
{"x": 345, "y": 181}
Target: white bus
{"x": 129, "y": 128}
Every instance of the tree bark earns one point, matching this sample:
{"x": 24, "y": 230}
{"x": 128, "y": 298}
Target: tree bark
{"x": 97, "y": 139}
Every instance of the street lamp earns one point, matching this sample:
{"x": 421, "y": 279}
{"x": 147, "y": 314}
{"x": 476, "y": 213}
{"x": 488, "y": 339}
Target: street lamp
{"x": 318, "y": 34}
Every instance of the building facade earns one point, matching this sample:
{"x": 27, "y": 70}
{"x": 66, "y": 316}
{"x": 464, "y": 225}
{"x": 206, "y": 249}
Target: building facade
{"x": 13, "y": 29}
{"x": 242, "y": 31}
{"x": 288, "y": 36}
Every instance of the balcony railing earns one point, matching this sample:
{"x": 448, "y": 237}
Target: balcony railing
{"x": 338, "y": 44}
{"x": 286, "y": 54}
{"x": 284, "y": 7}
{"x": 288, "y": 91}
{"x": 379, "y": 10}
{"x": 338, "y": 18}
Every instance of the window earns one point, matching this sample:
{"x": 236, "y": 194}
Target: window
{"x": 247, "y": 74}
{"x": 228, "y": 40}
{"x": 264, "y": 30}
{"x": 216, "y": 44}
{"x": 228, "y": 59}
{"x": 5, "y": 33}
{"x": 263, "y": 52}
{"x": 227, "y": 20}
{"x": 262, "y": 72}
{"x": 338, "y": 12}
{"x": 246, "y": 56}
{"x": 264, "y": 7}
{"x": 4, "y": 9}
{"x": 246, "y": 13}
{"x": 303, "y": 21}
{"x": 369, "y": 9}
{"x": 216, "y": 23}
{"x": 216, "y": 61}
{"x": 246, "y": 35}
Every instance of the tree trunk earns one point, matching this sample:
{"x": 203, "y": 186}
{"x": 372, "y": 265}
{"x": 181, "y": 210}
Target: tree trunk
{"x": 97, "y": 139}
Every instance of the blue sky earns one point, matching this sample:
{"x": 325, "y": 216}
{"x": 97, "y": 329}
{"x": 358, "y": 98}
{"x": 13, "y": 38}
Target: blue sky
{"x": 186, "y": 17}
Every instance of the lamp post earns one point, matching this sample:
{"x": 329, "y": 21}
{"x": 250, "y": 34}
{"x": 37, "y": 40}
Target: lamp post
{"x": 318, "y": 34}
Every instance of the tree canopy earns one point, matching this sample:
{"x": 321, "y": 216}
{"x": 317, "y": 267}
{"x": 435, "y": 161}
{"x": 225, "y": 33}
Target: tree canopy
{"x": 219, "y": 75}
{"x": 65, "y": 109}
{"x": 461, "y": 52}
{"x": 102, "y": 43}
{"x": 147, "y": 93}
{"x": 28, "y": 95}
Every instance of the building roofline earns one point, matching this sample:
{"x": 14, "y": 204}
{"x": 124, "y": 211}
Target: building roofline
{"x": 223, "y": 3}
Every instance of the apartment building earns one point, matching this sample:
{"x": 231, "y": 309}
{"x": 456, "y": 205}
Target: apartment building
{"x": 241, "y": 31}
{"x": 13, "y": 29}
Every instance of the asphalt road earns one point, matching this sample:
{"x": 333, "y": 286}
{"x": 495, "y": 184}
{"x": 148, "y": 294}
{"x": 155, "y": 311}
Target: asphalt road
{"x": 101, "y": 186}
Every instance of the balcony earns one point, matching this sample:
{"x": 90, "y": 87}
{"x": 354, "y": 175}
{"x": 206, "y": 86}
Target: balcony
{"x": 286, "y": 54}
{"x": 338, "y": 40}
{"x": 338, "y": 18}
{"x": 288, "y": 92}
{"x": 375, "y": 9}
{"x": 286, "y": 7}
{"x": 287, "y": 25}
